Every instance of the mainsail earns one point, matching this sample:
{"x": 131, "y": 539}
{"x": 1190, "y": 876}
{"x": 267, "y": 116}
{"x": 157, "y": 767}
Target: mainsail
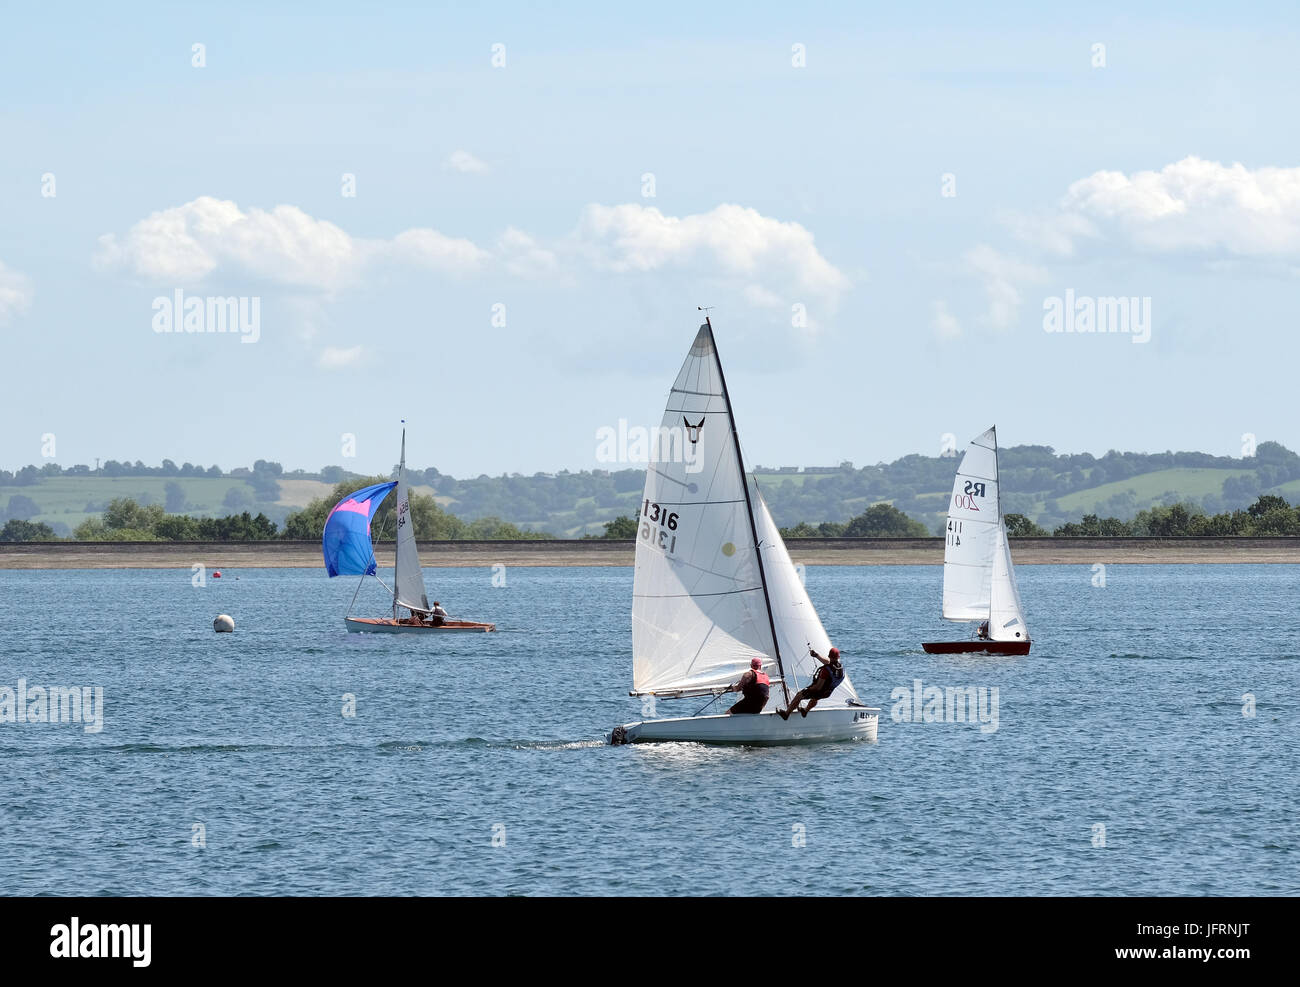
{"x": 408, "y": 580}
{"x": 714, "y": 586}
{"x": 978, "y": 579}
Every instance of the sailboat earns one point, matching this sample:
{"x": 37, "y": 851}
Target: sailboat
{"x": 714, "y": 586}
{"x": 979, "y": 581}
{"x": 349, "y": 551}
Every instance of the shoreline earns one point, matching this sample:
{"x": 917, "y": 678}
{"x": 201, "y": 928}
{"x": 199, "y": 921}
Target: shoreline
{"x": 566, "y": 552}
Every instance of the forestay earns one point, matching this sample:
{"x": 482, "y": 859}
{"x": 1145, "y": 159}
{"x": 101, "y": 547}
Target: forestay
{"x": 699, "y": 612}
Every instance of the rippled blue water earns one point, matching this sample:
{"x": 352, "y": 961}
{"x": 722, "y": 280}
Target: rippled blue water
{"x": 1127, "y": 714}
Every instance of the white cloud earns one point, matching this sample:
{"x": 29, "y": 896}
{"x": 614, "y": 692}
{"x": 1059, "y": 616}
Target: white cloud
{"x": 945, "y": 324}
{"x": 283, "y": 245}
{"x": 335, "y": 358}
{"x": 760, "y": 297}
{"x": 777, "y": 257}
{"x": 770, "y": 263}
{"x": 1003, "y": 276}
{"x": 465, "y": 163}
{"x": 1055, "y": 233}
{"x": 436, "y": 251}
{"x": 1190, "y": 205}
{"x": 16, "y": 293}
{"x": 525, "y": 257}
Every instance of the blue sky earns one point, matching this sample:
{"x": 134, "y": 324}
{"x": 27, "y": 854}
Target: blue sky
{"x": 1170, "y": 173}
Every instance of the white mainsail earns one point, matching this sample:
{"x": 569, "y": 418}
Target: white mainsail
{"x": 699, "y": 612}
{"x": 714, "y": 584}
{"x": 408, "y": 580}
{"x": 978, "y": 579}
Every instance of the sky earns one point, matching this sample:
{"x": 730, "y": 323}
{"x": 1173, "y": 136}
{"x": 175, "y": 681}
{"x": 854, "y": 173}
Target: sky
{"x": 497, "y": 224}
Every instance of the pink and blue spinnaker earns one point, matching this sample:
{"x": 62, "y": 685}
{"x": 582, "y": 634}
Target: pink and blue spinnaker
{"x": 346, "y": 541}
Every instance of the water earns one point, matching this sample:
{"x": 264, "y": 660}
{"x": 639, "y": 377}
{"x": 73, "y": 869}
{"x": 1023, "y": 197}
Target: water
{"x": 1128, "y": 714}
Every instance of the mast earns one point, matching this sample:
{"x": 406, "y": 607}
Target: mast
{"x": 1002, "y": 525}
{"x": 749, "y": 509}
{"x": 397, "y": 541}
{"x": 997, "y": 471}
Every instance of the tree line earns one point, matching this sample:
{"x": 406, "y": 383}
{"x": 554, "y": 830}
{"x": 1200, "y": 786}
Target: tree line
{"x": 1270, "y": 515}
{"x": 126, "y": 520}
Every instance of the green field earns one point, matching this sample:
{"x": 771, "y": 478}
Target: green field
{"x": 1291, "y": 491}
{"x": 65, "y": 498}
{"x": 1189, "y": 484}
{"x": 776, "y": 479}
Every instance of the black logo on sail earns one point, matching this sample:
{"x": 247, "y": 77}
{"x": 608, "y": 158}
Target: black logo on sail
{"x": 692, "y": 431}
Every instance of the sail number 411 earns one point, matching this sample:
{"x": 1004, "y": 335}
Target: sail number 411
{"x": 661, "y": 536}
{"x": 954, "y": 532}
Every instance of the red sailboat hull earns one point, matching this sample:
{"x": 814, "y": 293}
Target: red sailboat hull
{"x": 976, "y": 647}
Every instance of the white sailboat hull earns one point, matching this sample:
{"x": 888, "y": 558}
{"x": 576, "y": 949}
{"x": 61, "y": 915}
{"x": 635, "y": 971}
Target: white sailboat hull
{"x": 818, "y": 727}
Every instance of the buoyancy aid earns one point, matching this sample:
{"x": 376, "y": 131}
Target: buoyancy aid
{"x": 758, "y": 688}
{"x": 830, "y": 676}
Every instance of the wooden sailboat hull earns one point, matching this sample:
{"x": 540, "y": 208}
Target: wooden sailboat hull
{"x": 386, "y": 625}
{"x": 976, "y": 647}
{"x": 818, "y": 727}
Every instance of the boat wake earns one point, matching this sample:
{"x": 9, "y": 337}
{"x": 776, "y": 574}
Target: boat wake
{"x": 387, "y": 747}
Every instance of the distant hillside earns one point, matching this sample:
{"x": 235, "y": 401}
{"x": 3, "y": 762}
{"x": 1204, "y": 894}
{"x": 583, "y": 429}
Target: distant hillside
{"x": 1050, "y": 488}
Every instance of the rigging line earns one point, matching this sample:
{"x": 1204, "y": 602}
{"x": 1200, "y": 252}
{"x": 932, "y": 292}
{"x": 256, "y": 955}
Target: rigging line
{"x": 708, "y": 704}
{"x": 671, "y": 479}
{"x": 354, "y": 595}
{"x": 691, "y": 596}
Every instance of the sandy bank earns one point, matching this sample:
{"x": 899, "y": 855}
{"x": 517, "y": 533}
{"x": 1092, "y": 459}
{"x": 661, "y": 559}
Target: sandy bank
{"x": 809, "y": 551}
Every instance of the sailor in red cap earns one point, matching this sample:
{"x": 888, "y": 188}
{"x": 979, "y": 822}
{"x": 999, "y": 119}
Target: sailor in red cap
{"x": 830, "y": 675}
{"x": 755, "y": 685}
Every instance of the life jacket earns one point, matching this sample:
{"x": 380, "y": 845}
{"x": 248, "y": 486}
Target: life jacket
{"x": 833, "y": 674}
{"x": 759, "y": 688}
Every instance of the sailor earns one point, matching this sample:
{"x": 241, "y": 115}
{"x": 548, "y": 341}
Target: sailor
{"x": 983, "y": 632}
{"x": 830, "y": 675}
{"x": 755, "y": 685}
{"x": 438, "y": 614}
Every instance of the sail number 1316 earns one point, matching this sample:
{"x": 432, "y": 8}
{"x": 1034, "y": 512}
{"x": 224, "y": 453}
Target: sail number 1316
{"x": 662, "y": 536}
